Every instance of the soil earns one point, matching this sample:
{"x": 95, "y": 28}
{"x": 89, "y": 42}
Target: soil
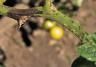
{"x": 43, "y": 51}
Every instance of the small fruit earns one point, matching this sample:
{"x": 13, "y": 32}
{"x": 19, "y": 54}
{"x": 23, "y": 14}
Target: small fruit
{"x": 49, "y": 24}
{"x": 57, "y": 33}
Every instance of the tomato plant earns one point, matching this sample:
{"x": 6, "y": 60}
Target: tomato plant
{"x": 87, "y": 47}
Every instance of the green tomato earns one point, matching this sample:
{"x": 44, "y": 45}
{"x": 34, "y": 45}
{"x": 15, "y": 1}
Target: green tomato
{"x": 57, "y": 33}
{"x": 49, "y": 24}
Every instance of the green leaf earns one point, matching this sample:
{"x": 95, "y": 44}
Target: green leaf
{"x": 88, "y": 47}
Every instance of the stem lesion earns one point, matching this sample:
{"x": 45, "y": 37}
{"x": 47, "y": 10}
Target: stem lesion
{"x": 17, "y": 13}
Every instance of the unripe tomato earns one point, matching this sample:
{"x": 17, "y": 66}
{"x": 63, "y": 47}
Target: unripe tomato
{"x": 57, "y": 32}
{"x": 49, "y": 24}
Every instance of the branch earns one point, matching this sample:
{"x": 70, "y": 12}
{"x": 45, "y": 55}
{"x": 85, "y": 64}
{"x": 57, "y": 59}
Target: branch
{"x": 16, "y": 13}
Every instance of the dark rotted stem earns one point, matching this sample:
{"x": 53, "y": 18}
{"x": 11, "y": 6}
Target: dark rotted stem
{"x": 16, "y": 13}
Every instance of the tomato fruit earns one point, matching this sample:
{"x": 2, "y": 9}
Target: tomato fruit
{"x": 57, "y": 32}
{"x": 49, "y": 24}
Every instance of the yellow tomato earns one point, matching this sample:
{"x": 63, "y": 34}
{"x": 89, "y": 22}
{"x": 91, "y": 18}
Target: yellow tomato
{"x": 57, "y": 32}
{"x": 2, "y": 1}
{"x": 49, "y": 24}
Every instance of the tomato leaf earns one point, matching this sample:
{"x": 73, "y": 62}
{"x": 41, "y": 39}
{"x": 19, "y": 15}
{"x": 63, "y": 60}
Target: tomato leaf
{"x": 88, "y": 47}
